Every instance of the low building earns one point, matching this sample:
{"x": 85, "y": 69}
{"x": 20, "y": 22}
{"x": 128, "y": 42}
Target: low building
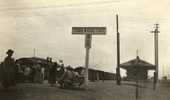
{"x": 95, "y": 75}
{"x": 137, "y": 69}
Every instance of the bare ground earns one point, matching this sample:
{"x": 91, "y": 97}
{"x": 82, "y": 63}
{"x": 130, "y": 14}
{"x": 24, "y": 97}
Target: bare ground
{"x": 107, "y": 90}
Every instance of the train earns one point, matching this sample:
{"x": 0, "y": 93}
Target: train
{"x": 96, "y": 75}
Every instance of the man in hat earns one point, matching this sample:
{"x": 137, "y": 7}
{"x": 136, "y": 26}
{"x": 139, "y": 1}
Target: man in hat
{"x": 9, "y": 61}
{"x": 9, "y": 69}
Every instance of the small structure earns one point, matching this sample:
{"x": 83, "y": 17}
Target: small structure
{"x": 137, "y": 69}
{"x": 95, "y": 75}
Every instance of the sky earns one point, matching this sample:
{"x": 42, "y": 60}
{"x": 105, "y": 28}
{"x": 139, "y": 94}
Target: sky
{"x": 46, "y": 26}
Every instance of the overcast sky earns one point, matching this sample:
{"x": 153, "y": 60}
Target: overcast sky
{"x": 46, "y": 26}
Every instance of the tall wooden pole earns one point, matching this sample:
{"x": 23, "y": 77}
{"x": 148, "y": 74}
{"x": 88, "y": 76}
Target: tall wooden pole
{"x": 118, "y": 77}
{"x": 156, "y": 31}
{"x": 88, "y": 39}
{"x": 34, "y": 52}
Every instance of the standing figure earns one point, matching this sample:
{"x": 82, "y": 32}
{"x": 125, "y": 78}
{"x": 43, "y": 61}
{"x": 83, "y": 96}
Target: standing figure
{"x": 42, "y": 73}
{"x": 27, "y": 72}
{"x": 37, "y": 77}
{"x": 52, "y": 74}
{"x": 8, "y": 70}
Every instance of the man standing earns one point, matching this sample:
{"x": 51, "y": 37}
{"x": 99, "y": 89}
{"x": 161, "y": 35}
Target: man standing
{"x": 9, "y": 70}
{"x": 52, "y": 74}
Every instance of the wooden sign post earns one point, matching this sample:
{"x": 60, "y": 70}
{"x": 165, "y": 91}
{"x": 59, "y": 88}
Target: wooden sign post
{"x": 88, "y": 32}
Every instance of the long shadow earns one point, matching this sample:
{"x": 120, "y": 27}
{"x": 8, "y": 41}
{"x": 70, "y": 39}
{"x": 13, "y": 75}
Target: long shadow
{"x": 74, "y": 88}
{"x": 134, "y": 85}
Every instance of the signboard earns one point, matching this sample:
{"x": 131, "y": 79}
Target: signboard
{"x": 89, "y": 30}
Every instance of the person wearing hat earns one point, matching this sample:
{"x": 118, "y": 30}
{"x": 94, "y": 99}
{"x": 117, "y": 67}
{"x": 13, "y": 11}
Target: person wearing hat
{"x": 9, "y": 68}
{"x": 9, "y": 61}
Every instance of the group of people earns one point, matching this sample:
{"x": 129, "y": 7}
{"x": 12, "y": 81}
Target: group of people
{"x": 30, "y": 73}
{"x": 36, "y": 72}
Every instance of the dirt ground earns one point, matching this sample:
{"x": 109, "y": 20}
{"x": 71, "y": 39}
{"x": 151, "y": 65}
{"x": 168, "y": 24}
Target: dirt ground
{"x": 107, "y": 90}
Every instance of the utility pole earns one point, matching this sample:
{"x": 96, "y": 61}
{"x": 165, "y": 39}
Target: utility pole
{"x": 34, "y": 52}
{"x": 137, "y": 53}
{"x": 163, "y": 71}
{"x": 118, "y": 77}
{"x": 156, "y": 31}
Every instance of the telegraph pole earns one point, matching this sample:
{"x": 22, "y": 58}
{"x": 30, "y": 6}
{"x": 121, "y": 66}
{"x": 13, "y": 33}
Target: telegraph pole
{"x": 34, "y": 52}
{"x": 118, "y": 77}
{"x": 163, "y": 71}
{"x": 156, "y": 31}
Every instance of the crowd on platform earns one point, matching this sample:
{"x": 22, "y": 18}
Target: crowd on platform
{"x": 37, "y": 70}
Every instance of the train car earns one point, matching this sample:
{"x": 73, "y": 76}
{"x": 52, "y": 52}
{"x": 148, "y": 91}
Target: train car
{"x": 95, "y": 75}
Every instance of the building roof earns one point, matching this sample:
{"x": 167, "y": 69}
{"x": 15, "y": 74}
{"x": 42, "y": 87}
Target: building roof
{"x": 32, "y": 60}
{"x": 81, "y": 68}
{"x": 137, "y": 63}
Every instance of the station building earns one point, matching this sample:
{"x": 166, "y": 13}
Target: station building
{"x": 137, "y": 69}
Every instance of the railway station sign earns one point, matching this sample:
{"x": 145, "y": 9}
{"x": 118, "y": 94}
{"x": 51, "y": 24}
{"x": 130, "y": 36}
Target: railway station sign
{"x": 89, "y": 30}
